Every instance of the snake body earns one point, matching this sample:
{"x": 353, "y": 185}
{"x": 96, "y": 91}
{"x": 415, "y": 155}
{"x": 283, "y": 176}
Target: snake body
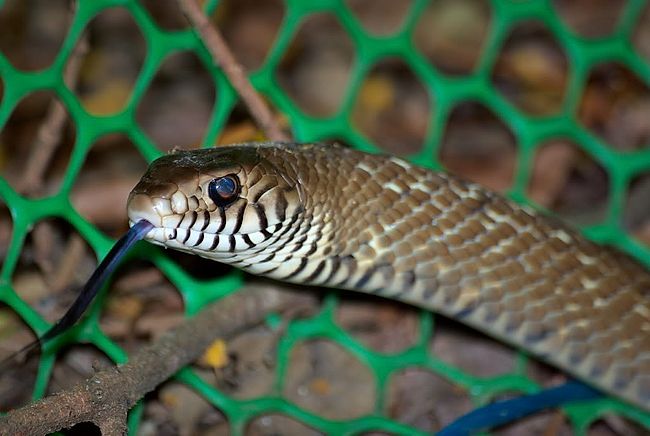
{"x": 335, "y": 217}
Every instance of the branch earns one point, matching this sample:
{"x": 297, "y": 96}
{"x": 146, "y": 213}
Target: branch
{"x": 48, "y": 136}
{"x": 106, "y": 398}
{"x": 222, "y": 56}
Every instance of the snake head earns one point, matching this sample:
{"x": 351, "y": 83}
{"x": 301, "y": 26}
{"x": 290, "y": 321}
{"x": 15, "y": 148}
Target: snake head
{"x": 215, "y": 202}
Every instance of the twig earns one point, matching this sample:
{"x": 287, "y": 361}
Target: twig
{"x": 73, "y": 255}
{"x": 47, "y": 140}
{"x": 42, "y": 149}
{"x": 48, "y": 136}
{"x": 223, "y": 57}
{"x": 106, "y": 398}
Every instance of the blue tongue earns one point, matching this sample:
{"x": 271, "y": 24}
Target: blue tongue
{"x": 94, "y": 284}
{"x": 106, "y": 267}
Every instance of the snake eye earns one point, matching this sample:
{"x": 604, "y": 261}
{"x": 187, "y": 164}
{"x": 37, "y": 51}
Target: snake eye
{"x": 223, "y": 190}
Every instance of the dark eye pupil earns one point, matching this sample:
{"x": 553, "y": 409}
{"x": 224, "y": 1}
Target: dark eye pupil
{"x": 223, "y": 190}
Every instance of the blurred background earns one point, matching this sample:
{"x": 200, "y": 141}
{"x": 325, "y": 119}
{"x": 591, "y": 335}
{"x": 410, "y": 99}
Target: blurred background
{"x": 545, "y": 101}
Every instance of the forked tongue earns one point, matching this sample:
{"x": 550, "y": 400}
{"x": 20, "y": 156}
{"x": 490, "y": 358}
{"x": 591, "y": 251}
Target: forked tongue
{"x": 88, "y": 293}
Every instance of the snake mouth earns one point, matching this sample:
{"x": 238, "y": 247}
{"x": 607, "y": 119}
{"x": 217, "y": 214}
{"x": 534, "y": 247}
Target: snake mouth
{"x": 143, "y": 207}
{"x": 199, "y": 232}
{"x": 182, "y": 231}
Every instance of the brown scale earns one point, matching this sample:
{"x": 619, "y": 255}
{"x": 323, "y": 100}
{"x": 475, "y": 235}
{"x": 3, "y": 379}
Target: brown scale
{"x": 455, "y": 248}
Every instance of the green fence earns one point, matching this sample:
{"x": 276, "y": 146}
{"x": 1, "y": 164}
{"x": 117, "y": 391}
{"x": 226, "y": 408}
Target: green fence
{"x": 447, "y": 92}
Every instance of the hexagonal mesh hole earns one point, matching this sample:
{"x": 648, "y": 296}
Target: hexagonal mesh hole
{"x": 54, "y": 263}
{"x": 250, "y": 28}
{"x": 532, "y": 70}
{"x": 241, "y": 127}
{"x": 326, "y": 379}
{"x": 32, "y": 32}
{"x": 380, "y": 17}
{"x": 176, "y": 109}
{"x": 568, "y": 181}
{"x": 141, "y": 305}
{"x": 616, "y": 107}
{"x": 36, "y": 155}
{"x": 320, "y": 53}
{"x": 479, "y": 146}
{"x": 590, "y": 18}
{"x": 166, "y": 14}
{"x": 451, "y": 34}
{"x": 380, "y": 325}
{"x": 112, "y": 167}
{"x": 249, "y": 369}
{"x": 112, "y": 64}
{"x": 393, "y": 107}
{"x": 422, "y": 399}
{"x": 175, "y": 409}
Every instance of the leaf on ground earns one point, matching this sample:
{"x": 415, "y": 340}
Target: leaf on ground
{"x": 216, "y": 356}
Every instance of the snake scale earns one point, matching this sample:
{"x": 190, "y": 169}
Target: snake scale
{"x": 339, "y": 218}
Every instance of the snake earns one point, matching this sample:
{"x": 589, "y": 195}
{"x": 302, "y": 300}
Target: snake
{"x": 331, "y": 216}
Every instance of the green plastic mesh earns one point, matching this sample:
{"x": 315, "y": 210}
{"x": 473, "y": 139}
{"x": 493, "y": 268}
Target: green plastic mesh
{"x": 447, "y": 92}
